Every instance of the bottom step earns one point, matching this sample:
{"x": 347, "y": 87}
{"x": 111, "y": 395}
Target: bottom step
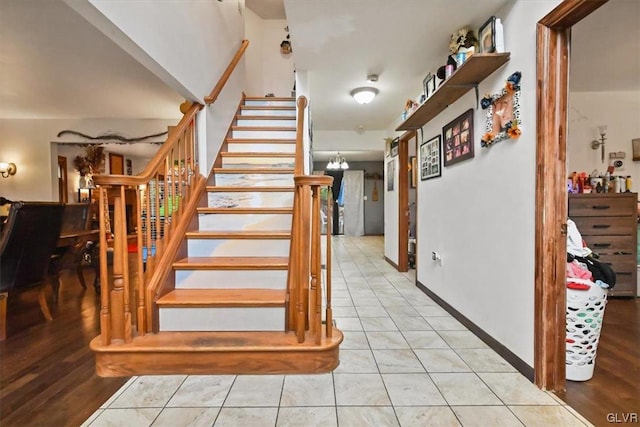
{"x": 217, "y": 353}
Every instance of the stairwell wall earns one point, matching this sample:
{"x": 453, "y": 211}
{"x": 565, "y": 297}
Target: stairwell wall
{"x": 188, "y": 44}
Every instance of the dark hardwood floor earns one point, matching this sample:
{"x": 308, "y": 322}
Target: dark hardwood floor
{"x": 47, "y": 375}
{"x": 614, "y": 390}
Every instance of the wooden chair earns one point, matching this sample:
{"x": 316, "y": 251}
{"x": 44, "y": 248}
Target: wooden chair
{"x": 73, "y": 245}
{"x": 28, "y": 240}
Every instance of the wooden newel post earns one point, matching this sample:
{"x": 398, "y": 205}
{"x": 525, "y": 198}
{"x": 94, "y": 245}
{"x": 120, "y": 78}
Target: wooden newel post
{"x": 329, "y": 310}
{"x": 105, "y": 308}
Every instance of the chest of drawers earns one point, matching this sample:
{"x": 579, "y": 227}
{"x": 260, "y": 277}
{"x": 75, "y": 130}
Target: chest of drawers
{"x": 608, "y": 224}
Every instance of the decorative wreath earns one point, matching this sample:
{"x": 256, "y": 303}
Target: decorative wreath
{"x": 503, "y": 112}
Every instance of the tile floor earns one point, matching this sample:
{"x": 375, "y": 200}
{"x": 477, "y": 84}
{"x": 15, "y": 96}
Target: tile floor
{"x": 404, "y": 362}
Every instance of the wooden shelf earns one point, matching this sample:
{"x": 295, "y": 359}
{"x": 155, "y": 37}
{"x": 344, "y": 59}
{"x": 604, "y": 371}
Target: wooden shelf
{"x": 477, "y": 68}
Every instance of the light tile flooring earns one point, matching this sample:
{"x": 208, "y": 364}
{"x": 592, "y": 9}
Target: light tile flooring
{"x": 404, "y": 362}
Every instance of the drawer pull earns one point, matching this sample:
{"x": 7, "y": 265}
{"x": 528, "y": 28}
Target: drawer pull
{"x": 602, "y": 245}
{"x": 601, "y": 207}
{"x": 623, "y": 253}
{"x": 624, "y": 273}
{"x": 601, "y": 226}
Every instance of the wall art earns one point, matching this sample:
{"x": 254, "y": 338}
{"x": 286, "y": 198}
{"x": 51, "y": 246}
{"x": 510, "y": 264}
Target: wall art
{"x": 503, "y": 112}
{"x": 458, "y": 139}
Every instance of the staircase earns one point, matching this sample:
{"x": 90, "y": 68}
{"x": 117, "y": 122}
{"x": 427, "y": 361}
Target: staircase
{"x": 229, "y": 309}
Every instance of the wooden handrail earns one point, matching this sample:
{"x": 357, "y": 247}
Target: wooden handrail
{"x": 167, "y": 193}
{"x": 153, "y": 165}
{"x": 227, "y": 73}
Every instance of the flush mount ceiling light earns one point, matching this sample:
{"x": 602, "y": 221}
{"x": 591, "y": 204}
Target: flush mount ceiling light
{"x": 364, "y": 95}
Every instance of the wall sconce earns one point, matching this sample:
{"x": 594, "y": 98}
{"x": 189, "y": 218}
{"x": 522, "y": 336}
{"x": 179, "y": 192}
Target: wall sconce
{"x": 7, "y": 169}
{"x": 337, "y": 162}
{"x": 595, "y": 143}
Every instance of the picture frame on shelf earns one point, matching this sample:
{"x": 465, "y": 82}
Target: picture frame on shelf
{"x": 487, "y": 36}
{"x": 458, "y": 139}
{"x": 431, "y": 158}
{"x": 429, "y": 85}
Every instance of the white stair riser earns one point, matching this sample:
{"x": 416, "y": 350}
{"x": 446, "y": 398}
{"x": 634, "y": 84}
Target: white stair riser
{"x": 261, "y": 148}
{"x": 222, "y": 319}
{"x": 258, "y": 162}
{"x": 250, "y": 199}
{"x": 231, "y": 279}
{"x": 236, "y": 222}
{"x": 279, "y": 113}
{"x": 272, "y": 102}
{"x": 238, "y": 247}
{"x": 254, "y": 179}
{"x": 263, "y": 134}
{"x": 266, "y": 122}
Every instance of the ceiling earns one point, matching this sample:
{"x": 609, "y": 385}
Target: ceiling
{"x": 43, "y": 69}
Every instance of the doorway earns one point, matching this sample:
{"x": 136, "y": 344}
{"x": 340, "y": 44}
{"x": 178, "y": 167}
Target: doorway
{"x": 63, "y": 192}
{"x": 404, "y": 212}
{"x": 553, "y": 43}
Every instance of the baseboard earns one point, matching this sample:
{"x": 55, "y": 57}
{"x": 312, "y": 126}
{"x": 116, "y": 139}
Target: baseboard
{"x": 494, "y": 344}
{"x": 392, "y": 263}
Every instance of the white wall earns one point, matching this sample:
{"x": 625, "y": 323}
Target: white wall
{"x": 188, "y": 44}
{"x": 268, "y": 71}
{"x": 347, "y": 140}
{"x": 27, "y": 143}
{"x": 480, "y": 214}
{"x": 620, "y": 112}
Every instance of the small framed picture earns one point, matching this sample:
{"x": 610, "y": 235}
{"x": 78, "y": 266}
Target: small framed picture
{"x": 458, "y": 139}
{"x": 429, "y": 85}
{"x": 487, "y": 36}
{"x": 431, "y": 158}
{"x": 394, "y": 146}
{"x": 635, "y": 149}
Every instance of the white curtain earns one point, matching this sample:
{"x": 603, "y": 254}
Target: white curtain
{"x": 353, "y": 203}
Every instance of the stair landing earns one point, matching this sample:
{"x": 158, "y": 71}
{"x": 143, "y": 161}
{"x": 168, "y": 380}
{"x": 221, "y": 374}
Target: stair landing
{"x": 217, "y": 353}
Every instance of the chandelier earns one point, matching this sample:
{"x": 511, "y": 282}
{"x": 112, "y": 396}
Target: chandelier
{"x": 337, "y": 162}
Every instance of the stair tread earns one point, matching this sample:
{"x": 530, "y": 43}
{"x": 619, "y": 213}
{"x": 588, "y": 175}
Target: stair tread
{"x": 253, "y": 171}
{"x": 232, "y": 189}
{"x": 264, "y": 128}
{"x": 269, "y": 98}
{"x": 247, "y": 210}
{"x": 240, "y": 234}
{"x": 256, "y": 154}
{"x": 265, "y": 117}
{"x": 260, "y": 141}
{"x": 267, "y": 107}
{"x": 232, "y": 263}
{"x": 219, "y": 341}
{"x": 245, "y": 297}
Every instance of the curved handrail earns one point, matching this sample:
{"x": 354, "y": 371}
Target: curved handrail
{"x": 158, "y": 159}
{"x": 166, "y": 196}
{"x": 227, "y": 73}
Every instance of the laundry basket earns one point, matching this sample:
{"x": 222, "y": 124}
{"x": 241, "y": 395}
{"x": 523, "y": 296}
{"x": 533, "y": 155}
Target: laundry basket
{"x": 585, "y": 311}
